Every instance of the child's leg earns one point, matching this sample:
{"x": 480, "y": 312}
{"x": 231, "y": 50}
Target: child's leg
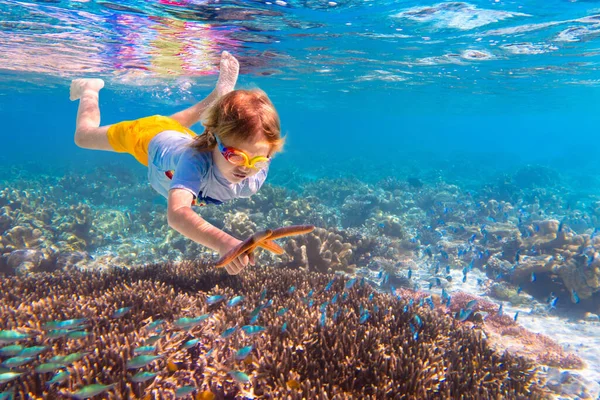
{"x": 88, "y": 132}
{"x": 228, "y": 75}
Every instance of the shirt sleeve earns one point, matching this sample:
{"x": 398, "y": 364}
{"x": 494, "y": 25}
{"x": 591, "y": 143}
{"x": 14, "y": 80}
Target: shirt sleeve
{"x": 189, "y": 172}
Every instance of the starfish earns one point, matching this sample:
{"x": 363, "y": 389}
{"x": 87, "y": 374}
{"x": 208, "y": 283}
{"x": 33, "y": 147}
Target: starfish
{"x": 263, "y": 239}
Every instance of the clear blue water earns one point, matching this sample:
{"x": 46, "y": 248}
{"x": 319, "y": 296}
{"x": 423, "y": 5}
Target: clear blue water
{"x": 461, "y": 92}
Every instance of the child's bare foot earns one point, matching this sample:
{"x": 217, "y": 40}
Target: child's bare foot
{"x": 79, "y": 86}
{"x": 228, "y": 74}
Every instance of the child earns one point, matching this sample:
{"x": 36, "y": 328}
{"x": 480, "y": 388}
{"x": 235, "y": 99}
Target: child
{"x": 230, "y": 159}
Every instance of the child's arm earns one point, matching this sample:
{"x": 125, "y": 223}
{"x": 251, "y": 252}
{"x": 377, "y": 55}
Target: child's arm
{"x": 184, "y": 220}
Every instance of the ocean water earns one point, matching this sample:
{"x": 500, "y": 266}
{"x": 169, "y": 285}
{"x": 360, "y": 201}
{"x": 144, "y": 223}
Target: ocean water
{"x": 408, "y": 122}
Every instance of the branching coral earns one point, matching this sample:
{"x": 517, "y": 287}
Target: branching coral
{"x": 304, "y": 350}
{"x": 321, "y": 250}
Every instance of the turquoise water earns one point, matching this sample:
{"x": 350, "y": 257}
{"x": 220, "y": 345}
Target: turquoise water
{"x": 499, "y": 98}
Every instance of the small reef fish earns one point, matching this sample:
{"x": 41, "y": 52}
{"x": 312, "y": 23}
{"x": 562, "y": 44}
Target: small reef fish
{"x": 329, "y": 285}
{"x": 282, "y": 311}
{"x": 292, "y": 289}
{"x": 186, "y": 323}
{"x": 91, "y": 390}
{"x": 8, "y": 395}
{"x": 243, "y": 352}
{"x": 66, "y": 324}
{"x": 155, "y": 324}
{"x": 32, "y": 351}
{"x": 409, "y": 273}
{"x": 284, "y": 327}
{"x": 206, "y": 395}
{"x": 235, "y": 301}
{"x": 144, "y": 350}
{"x": 143, "y": 376}
{"x": 121, "y": 312}
{"x": 464, "y": 279}
{"x": 471, "y": 304}
{"x": 11, "y": 350}
{"x": 141, "y": 361}
{"x": 228, "y": 332}
{"x": 12, "y": 336}
{"x": 323, "y": 319}
{"x": 239, "y": 376}
{"x": 59, "y": 377}
{"x": 214, "y": 299}
{"x": 350, "y": 283}
{"x": 501, "y": 310}
{"x": 9, "y": 376}
{"x": 516, "y": 316}
{"x": 253, "y": 329}
{"x": 184, "y": 391}
{"x": 78, "y": 334}
{"x": 334, "y": 299}
{"x": 16, "y": 361}
{"x": 48, "y": 367}
{"x": 293, "y": 384}
{"x": 532, "y": 279}
{"x": 463, "y": 315}
{"x": 364, "y": 317}
{"x": 153, "y": 339}
{"x": 191, "y": 343}
{"x": 263, "y": 295}
{"x": 574, "y": 296}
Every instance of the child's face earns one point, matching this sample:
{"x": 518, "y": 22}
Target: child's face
{"x": 252, "y": 148}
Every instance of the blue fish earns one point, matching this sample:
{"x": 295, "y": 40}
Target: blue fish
{"x": 574, "y": 296}
{"x": 409, "y": 273}
{"x": 532, "y": 279}
{"x": 263, "y": 295}
{"x": 448, "y": 301}
{"x": 235, "y": 301}
{"x": 239, "y": 376}
{"x": 323, "y": 306}
{"x": 429, "y": 301}
{"x": 471, "y": 304}
{"x": 254, "y": 319}
{"x": 464, "y": 279}
{"x": 228, "y": 332}
{"x": 284, "y": 327}
{"x": 292, "y": 289}
{"x": 472, "y": 238}
{"x": 350, "y": 283}
{"x": 516, "y": 316}
{"x": 519, "y": 289}
{"x": 253, "y": 329}
{"x": 371, "y": 296}
{"x": 444, "y": 254}
{"x": 447, "y": 269}
{"x": 214, "y": 299}
{"x": 323, "y": 318}
{"x": 364, "y": 317}
{"x": 418, "y": 320}
{"x": 553, "y": 302}
{"x": 120, "y": 312}
{"x": 191, "y": 343}
{"x": 501, "y": 310}
{"x": 463, "y": 315}
{"x": 243, "y": 353}
{"x": 281, "y": 311}
{"x": 310, "y": 293}
{"x": 334, "y": 299}
{"x": 392, "y": 290}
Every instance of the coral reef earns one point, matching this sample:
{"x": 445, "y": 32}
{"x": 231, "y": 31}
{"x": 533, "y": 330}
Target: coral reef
{"x": 96, "y": 323}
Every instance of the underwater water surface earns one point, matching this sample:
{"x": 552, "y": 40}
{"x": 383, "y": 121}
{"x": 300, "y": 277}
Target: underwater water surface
{"x": 443, "y": 150}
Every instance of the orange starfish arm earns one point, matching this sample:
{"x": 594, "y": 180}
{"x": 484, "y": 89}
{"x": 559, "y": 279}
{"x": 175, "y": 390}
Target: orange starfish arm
{"x": 246, "y": 246}
{"x": 291, "y": 230}
{"x": 272, "y": 247}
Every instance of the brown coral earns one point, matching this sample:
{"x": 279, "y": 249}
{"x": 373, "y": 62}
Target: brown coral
{"x": 322, "y": 251}
{"x": 314, "y": 357}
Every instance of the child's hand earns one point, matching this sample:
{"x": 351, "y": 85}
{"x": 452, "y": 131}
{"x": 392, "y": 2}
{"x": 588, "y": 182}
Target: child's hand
{"x": 239, "y": 263}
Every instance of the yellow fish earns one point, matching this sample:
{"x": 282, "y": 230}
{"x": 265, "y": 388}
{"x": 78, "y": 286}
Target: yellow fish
{"x": 206, "y": 395}
{"x": 293, "y": 384}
